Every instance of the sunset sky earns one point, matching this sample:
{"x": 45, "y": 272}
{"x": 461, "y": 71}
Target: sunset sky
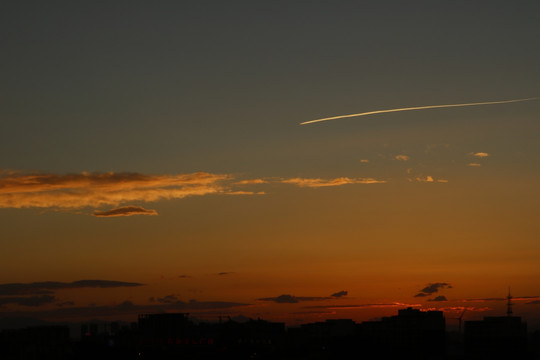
{"x": 152, "y": 159}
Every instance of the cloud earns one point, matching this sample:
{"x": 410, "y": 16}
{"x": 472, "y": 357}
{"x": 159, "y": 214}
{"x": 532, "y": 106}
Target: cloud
{"x": 65, "y": 303}
{"x": 474, "y": 164}
{"x": 223, "y": 273}
{"x": 124, "y": 308}
{"x": 425, "y": 179}
{"x": 340, "y": 294}
{"x": 125, "y": 211}
{"x": 290, "y": 299}
{"x": 460, "y": 309}
{"x": 364, "y": 161}
{"x": 251, "y": 182}
{"x": 402, "y": 157}
{"x": 48, "y": 287}
{"x": 362, "y": 306}
{"x": 480, "y": 154}
{"x": 185, "y": 277}
{"x": 517, "y": 298}
{"x": 168, "y": 299}
{"x": 315, "y": 182}
{"x": 117, "y": 190}
{"x": 242, "y": 192}
{"x": 28, "y": 301}
{"x": 72, "y": 191}
{"x": 484, "y": 300}
{"x": 439, "y": 298}
{"x": 442, "y": 181}
{"x": 535, "y": 302}
{"x": 433, "y": 288}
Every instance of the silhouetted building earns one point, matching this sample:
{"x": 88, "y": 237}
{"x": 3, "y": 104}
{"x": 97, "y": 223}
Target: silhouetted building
{"x": 496, "y": 337}
{"x": 40, "y": 342}
{"x": 175, "y": 335}
{"x": 412, "y": 333}
{"x": 333, "y": 338}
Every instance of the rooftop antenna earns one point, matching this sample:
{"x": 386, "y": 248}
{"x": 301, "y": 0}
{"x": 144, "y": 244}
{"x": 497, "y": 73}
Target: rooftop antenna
{"x": 509, "y": 303}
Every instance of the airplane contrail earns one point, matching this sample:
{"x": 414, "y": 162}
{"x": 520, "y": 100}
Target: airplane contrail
{"x": 418, "y": 108}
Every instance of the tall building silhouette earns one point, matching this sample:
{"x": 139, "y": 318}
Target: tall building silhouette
{"x": 496, "y": 337}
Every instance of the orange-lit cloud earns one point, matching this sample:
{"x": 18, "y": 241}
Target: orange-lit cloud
{"x": 474, "y": 164}
{"x": 428, "y": 179}
{"x": 125, "y": 211}
{"x": 316, "y": 182}
{"x": 360, "y": 306}
{"x": 251, "y": 182}
{"x": 518, "y": 298}
{"x": 73, "y": 191}
{"x": 425, "y": 179}
{"x": 460, "y": 309}
{"x": 402, "y": 157}
{"x": 242, "y": 192}
{"x": 480, "y": 154}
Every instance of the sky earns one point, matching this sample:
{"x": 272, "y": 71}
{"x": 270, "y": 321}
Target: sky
{"x": 152, "y": 159}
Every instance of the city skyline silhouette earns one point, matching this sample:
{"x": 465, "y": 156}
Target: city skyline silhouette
{"x": 152, "y": 160}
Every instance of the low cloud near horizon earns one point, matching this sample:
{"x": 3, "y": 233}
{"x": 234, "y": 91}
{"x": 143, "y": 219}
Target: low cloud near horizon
{"x": 49, "y": 287}
{"x": 291, "y": 299}
{"x": 125, "y": 308}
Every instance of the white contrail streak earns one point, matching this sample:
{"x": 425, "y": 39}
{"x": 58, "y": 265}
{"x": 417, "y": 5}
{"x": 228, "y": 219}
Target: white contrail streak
{"x": 417, "y": 108}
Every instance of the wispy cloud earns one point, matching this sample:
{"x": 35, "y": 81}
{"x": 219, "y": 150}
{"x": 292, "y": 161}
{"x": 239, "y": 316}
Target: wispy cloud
{"x": 97, "y": 190}
{"x": 290, "y": 299}
{"x": 73, "y": 191}
{"x": 425, "y": 179}
{"x": 242, "y": 192}
{"x": 48, "y": 287}
{"x": 28, "y": 301}
{"x": 361, "y": 306}
{"x": 517, "y": 298}
{"x": 125, "y": 211}
{"x": 168, "y": 299}
{"x": 474, "y": 164}
{"x": 124, "y": 308}
{"x": 224, "y": 273}
{"x": 251, "y": 182}
{"x": 402, "y": 157}
{"x": 316, "y": 182}
{"x": 480, "y": 154}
